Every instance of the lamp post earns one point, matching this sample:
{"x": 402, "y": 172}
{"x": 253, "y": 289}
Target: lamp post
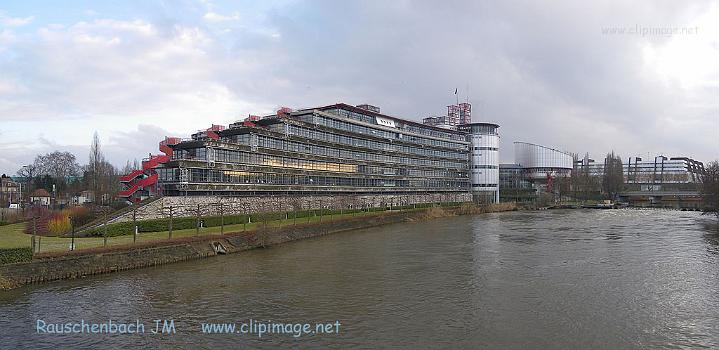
{"x": 27, "y": 180}
{"x": 72, "y": 242}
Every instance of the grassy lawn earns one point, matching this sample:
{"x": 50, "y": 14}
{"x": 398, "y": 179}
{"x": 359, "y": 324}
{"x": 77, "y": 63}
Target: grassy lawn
{"x": 11, "y": 236}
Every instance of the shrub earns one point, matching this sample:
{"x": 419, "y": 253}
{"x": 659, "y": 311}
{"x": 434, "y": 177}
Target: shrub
{"x": 80, "y": 215}
{"x": 42, "y": 216}
{"x": 59, "y": 223}
{"x": 15, "y": 255}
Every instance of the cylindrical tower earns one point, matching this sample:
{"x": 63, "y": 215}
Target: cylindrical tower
{"x": 484, "y": 161}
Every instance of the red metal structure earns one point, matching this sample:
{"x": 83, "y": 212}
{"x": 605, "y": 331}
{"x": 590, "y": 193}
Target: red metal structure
{"x": 145, "y": 179}
{"x": 550, "y": 183}
{"x": 284, "y": 111}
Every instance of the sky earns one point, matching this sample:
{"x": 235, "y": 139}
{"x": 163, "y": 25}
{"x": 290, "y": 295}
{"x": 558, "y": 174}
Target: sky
{"x": 640, "y": 78}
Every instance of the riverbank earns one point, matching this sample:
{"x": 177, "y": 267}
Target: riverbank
{"x": 80, "y": 263}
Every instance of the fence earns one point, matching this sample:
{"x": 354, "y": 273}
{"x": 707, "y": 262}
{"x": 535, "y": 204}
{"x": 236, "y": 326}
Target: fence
{"x": 10, "y": 215}
{"x": 174, "y": 227}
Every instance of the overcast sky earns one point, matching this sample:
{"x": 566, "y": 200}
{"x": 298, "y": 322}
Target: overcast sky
{"x": 557, "y": 74}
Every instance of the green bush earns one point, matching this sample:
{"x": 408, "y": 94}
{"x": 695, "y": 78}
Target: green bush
{"x": 15, "y": 255}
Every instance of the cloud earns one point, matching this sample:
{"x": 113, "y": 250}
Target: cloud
{"x": 111, "y": 70}
{"x": 544, "y": 72}
{"x": 14, "y": 21}
{"x": 216, "y": 17}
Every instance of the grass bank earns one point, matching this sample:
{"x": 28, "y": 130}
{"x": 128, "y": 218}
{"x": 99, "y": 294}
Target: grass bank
{"x": 12, "y": 236}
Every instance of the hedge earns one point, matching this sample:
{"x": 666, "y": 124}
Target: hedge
{"x": 15, "y": 255}
{"x": 190, "y": 222}
{"x": 182, "y": 223}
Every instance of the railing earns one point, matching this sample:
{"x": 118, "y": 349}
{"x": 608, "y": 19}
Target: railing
{"x": 130, "y": 176}
{"x": 154, "y": 161}
{"x": 150, "y": 180}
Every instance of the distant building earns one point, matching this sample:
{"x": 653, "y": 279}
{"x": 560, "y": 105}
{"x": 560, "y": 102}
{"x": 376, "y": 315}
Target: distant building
{"x": 514, "y": 186}
{"x": 40, "y": 197}
{"x": 654, "y": 174}
{"x": 10, "y": 191}
{"x": 541, "y": 163}
{"x": 536, "y": 169}
{"x": 459, "y": 114}
{"x": 83, "y": 197}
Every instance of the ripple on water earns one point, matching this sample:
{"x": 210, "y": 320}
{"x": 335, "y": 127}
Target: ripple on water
{"x": 546, "y": 279}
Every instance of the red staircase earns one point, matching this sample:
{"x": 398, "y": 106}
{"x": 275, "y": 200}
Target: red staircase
{"x": 146, "y": 178}
{"x": 129, "y": 177}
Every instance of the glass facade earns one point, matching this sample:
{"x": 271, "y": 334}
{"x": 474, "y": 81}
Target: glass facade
{"x": 335, "y": 149}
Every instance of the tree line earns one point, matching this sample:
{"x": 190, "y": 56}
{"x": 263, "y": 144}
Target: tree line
{"x": 60, "y": 170}
{"x": 710, "y": 188}
{"x": 583, "y": 185}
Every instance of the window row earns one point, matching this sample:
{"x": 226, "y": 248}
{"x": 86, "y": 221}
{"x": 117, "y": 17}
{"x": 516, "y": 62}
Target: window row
{"x": 222, "y": 155}
{"x": 293, "y": 146}
{"x": 242, "y": 157}
{"x": 360, "y": 129}
{"x": 244, "y": 177}
{"x": 405, "y": 126}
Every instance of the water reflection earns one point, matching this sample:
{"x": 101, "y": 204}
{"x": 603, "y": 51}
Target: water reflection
{"x": 550, "y": 279}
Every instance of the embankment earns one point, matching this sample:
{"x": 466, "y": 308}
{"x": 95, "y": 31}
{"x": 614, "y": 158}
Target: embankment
{"x": 50, "y": 267}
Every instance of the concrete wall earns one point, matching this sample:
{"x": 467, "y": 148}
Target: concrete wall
{"x": 210, "y": 205}
{"x": 50, "y": 269}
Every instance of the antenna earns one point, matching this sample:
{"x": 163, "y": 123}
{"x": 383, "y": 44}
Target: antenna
{"x": 467, "y": 96}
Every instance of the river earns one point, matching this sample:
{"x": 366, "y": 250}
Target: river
{"x": 559, "y": 279}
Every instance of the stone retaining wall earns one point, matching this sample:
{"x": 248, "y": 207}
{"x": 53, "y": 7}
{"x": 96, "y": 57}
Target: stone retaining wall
{"x": 50, "y": 269}
{"x": 210, "y": 205}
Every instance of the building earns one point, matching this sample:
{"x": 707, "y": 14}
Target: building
{"x": 657, "y": 181}
{"x": 541, "y": 163}
{"x": 514, "y": 185}
{"x": 10, "y": 191}
{"x": 335, "y": 149}
{"x": 40, "y": 197}
{"x": 535, "y": 171}
{"x": 87, "y": 196}
{"x": 484, "y": 160}
{"x": 458, "y": 114}
{"x": 444, "y": 122}
{"x": 654, "y": 174}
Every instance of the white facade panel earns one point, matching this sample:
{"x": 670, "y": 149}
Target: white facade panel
{"x": 541, "y": 162}
{"x": 484, "y": 159}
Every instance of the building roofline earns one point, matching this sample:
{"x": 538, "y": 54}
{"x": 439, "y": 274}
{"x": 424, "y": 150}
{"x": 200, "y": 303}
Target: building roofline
{"x": 375, "y": 114}
{"x": 483, "y": 123}
{"x": 549, "y": 148}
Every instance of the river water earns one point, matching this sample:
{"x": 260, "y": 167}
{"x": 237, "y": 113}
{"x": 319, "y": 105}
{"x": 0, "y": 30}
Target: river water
{"x": 610, "y": 279}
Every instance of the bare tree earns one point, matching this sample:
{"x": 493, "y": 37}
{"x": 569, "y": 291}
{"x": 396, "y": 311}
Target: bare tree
{"x": 94, "y": 164}
{"x": 28, "y": 172}
{"x": 563, "y": 185}
{"x": 55, "y": 169}
{"x": 710, "y": 188}
{"x": 128, "y": 168}
{"x": 101, "y": 176}
{"x": 613, "y": 177}
{"x": 59, "y": 165}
